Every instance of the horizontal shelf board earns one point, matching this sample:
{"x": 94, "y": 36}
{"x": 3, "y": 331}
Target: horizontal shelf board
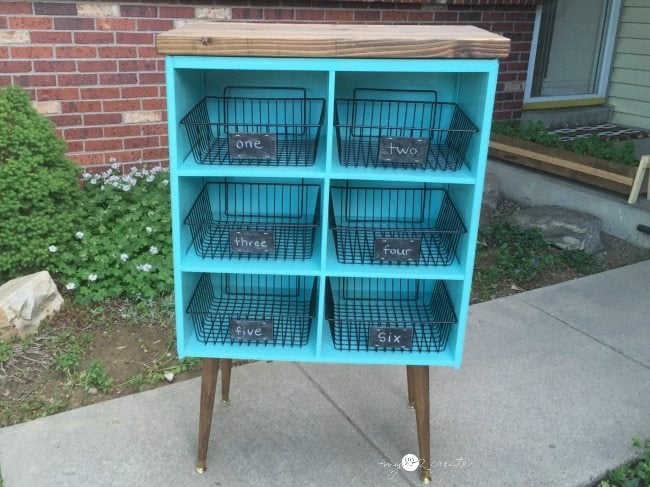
{"x": 193, "y": 263}
{"x": 189, "y": 167}
{"x": 194, "y": 348}
{"x": 332, "y": 40}
{"x": 329, "y": 354}
{"x": 221, "y": 63}
{"x": 452, "y": 272}
{"x": 462, "y": 176}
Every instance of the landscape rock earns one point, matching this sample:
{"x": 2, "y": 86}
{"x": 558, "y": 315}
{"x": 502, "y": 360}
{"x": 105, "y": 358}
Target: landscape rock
{"x": 491, "y": 193}
{"x": 169, "y": 376}
{"x": 92, "y": 391}
{"x": 565, "y": 228}
{"x": 25, "y": 302}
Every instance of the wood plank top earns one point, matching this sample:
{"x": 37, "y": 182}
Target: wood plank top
{"x": 332, "y": 40}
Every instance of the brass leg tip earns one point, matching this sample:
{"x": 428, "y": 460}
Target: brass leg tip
{"x": 200, "y": 467}
{"x": 225, "y": 402}
{"x": 412, "y": 406}
{"x": 425, "y": 476}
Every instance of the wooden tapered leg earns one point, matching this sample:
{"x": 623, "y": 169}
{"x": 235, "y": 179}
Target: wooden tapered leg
{"x": 226, "y": 367}
{"x": 420, "y": 376}
{"x": 209, "y": 371}
{"x": 409, "y": 385}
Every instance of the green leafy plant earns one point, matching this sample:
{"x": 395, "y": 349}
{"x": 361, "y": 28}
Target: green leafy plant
{"x": 531, "y": 131}
{"x": 622, "y": 153}
{"x": 156, "y": 370}
{"x": 6, "y": 351}
{"x": 512, "y": 254}
{"x": 636, "y": 474}
{"x": 95, "y": 376}
{"x": 39, "y": 189}
{"x": 122, "y": 244}
{"x": 67, "y": 353}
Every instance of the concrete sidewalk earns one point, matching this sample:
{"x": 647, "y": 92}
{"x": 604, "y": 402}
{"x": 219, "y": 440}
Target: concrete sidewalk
{"x": 554, "y": 384}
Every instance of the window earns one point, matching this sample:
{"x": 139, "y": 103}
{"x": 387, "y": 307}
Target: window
{"x": 572, "y": 50}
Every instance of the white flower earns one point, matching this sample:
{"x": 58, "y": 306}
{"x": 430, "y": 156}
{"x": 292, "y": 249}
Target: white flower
{"x": 153, "y": 250}
{"x": 124, "y": 257}
{"x": 52, "y": 248}
{"x": 92, "y": 277}
{"x": 93, "y": 181}
{"x": 144, "y": 267}
{"x": 150, "y": 179}
{"x": 156, "y": 169}
{"x": 115, "y": 165}
{"x": 165, "y": 182}
{"x": 145, "y": 172}
{"x": 126, "y": 187}
{"x": 149, "y": 229}
{"x": 85, "y": 176}
{"x": 79, "y": 235}
{"x": 70, "y": 286}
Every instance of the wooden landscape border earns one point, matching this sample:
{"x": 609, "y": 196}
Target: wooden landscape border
{"x": 585, "y": 169}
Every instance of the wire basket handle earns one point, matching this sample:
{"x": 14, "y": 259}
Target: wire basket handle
{"x": 397, "y": 95}
{"x": 275, "y": 92}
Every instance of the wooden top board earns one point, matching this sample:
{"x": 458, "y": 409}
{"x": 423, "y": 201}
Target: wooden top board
{"x": 332, "y": 40}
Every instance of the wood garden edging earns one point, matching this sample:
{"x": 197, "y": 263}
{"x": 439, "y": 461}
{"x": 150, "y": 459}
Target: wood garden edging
{"x": 585, "y": 169}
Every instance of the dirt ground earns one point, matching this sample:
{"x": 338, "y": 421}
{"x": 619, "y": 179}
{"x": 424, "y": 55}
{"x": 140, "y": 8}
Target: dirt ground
{"x": 135, "y": 342}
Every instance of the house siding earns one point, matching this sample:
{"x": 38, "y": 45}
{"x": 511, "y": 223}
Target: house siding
{"x": 629, "y": 87}
{"x": 92, "y": 68}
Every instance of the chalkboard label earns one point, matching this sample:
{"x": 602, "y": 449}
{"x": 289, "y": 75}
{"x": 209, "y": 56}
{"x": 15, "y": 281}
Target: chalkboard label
{"x": 397, "y": 249}
{"x": 251, "y": 330}
{"x": 244, "y": 145}
{"x": 252, "y": 242}
{"x": 403, "y": 150}
{"x": 390, "y": 337}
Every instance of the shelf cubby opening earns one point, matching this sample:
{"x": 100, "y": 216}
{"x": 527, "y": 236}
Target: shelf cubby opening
{"x": 251, "y": 220}
{"x": 253, "y": 310}
{"x": 401, "y": 129}
{"x": 359, "y": 310}
{"x": 415, "y": 225}
{"x": 256, "y": 126}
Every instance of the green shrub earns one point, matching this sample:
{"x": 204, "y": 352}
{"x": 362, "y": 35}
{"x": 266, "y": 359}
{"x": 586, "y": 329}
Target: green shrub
{"x": 122, "y": 244}
{"x": 39, "y": 191}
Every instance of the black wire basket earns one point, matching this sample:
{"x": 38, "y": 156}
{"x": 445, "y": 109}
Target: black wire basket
{"x": 388, "y": 315}
{"x": 266, "y": 221}
{"x": 253, "y": 310}
{"x": 256, "y": 126}
{"x": 394, "y": 226}
{"x": 407, "y": 129}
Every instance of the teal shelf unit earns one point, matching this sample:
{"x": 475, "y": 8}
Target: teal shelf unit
{"x": 468, "y": 83}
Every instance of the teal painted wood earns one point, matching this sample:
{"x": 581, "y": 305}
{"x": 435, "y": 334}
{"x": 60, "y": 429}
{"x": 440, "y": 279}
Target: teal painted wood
{"x": 470, "y": 84}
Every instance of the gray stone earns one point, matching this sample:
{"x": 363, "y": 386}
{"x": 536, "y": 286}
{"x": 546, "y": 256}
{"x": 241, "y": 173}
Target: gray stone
{"x": 565, "y": 228}
{"x": 25, "y": 302}
{"x": 491, "y": 192}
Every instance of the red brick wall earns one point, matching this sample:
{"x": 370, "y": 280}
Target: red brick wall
{"x": 91, "y": 67}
